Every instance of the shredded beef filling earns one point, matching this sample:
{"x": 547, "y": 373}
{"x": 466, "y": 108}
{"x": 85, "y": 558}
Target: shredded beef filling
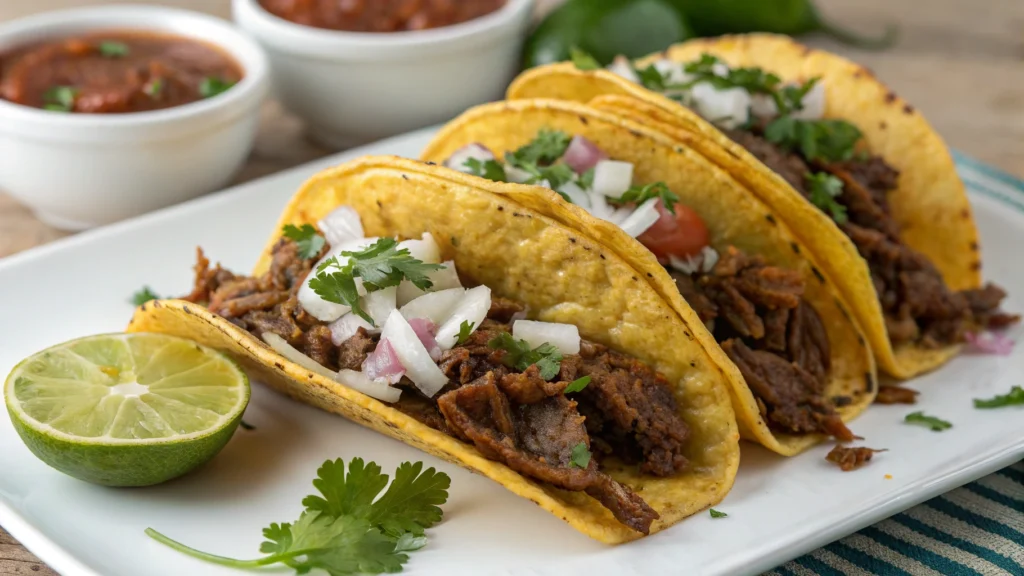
{"x": 758, "y": 314}
{"x": 628, "y": 411}
{"x": 918, "y": 306}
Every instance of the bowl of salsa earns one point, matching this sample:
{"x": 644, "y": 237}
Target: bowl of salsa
{"x": 361, "y": 70}
{"x": 109, "y": 112}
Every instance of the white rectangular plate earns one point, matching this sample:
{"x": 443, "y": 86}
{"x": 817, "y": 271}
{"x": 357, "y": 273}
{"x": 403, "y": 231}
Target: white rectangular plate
{"x": 778, "y": 509}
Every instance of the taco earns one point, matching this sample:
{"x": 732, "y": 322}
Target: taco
{"x": 748, "y": 290}
{"x": 601, "y": 408}
{"x": 856, "y": 172}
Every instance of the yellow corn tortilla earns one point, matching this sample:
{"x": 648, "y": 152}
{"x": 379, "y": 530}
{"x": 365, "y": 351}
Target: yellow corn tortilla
{"x": 930, "y": 204}
{"x": 562, "y": 275}
{"x": 733, "y": 217}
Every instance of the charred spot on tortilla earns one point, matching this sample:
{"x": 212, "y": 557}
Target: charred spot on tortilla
{"x": 501, "y": 208}
{"x": 890, "y": 97}
{"x": 965, "y": 213}
{"x": 860, "y": 340}
{"x": 817, "y": 274}
{"x": 908, "y": 109}
{"x": 771, "y": 219}
{"x": 187, "y": 311}
{"x": 278, "y": 365}
{"x": 976, "y": 265}
{"x": 584, "y": 120}
{"x": 842, "y": 310}
{"x": 572, "y": 240}
{"x": 869, "y": 384}
{"x": 795, "y": 247}
{"x": 404, "y": 177}
{"x": 429, "y": 163}
{"x": 974, "y": 246}
{"x": 842, "y": 401}
{"x": 883, "y": 125}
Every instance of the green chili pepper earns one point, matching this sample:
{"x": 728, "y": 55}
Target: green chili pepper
{"x": 607, "y": 28}
{"x": 792, "y": 17}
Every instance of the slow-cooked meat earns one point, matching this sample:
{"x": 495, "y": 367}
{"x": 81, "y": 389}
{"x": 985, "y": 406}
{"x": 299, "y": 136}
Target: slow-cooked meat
{"x": 791, "y": 396}
{"x": 896, "y": 395}
{"x": 512, "y": 416}
{"x": 917, "y": 304}
{"x": 758, "y": 314}
{"x": 849, "y": 458}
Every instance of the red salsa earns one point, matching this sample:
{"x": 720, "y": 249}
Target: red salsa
{"x": 380, "y": 15}
{"x": 116, "y": 72}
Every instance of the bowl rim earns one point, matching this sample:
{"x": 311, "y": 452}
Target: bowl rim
{"x": 319, "y": 41}
{"x": 133, "y": 17}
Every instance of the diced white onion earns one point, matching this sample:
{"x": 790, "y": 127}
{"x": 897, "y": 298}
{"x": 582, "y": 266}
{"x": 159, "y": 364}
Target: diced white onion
{"x": 380, "y": 304}
{"x": 709, "y": 257}
{"x": 576, "y": 194}
{"x": 763, "y": 106}
{"x": 619, "y": 215}
{"x": 599, "y": 206}
{"x": 672, "y": 71}
{"x": 582, "y": 155}
{"x": 622, "y": 66}
{"x": 342, "y": 225}
{"x": 443, "y": 279}
{"x": 728, "y": 108}
{"x": 282, "y": 347}
{"x": 420, "y": 368}
{"x": 517, "y": 175}
{"x": 473, "y": 309}
{"x": 565, "y": 337}
{"x": 434, "y": 306}
{"x": 543, "y": 184}
{"x": 318, "y": 307}
{"x": 378, "y": 389}
{"x": 612, "y": 178}
{"x": 346, "y": 327}
{"x": 424, "y": 249}
{"x": 720, "y": 69}
{"x": 474, "y": 151}
{"x": 642, "y": 218}
{"x": 813, "y": 103}
{"x": 703, "y": 262}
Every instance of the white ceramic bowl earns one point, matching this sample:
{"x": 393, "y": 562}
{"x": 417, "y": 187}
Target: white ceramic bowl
{"x": 354, "y": 87}
{"x": 77, "y": 171}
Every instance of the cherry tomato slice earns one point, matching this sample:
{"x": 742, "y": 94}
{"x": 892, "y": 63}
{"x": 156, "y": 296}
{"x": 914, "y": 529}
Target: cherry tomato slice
{"x": 682, "y": 234}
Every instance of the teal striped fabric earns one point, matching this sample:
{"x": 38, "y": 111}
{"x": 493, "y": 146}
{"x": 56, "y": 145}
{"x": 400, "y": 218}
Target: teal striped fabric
{"x": 977, "y": 529}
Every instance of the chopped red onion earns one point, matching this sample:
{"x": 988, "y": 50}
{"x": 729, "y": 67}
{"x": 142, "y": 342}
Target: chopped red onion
{"x": 383, "y": 363}
{"x": 582, "y": 155}
{"x": 425, "y": 330}
{"x": 989, "y": 343}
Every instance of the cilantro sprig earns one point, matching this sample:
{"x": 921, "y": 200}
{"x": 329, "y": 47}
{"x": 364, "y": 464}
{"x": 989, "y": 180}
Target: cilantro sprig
{"x": 380, "y": 266}
{"x": 577, "y": 385}
{"x": 639, "y": 194}
{"x": 145, "y": 294}
{"x": 489, "y": 169}
{"x": 520, "y": 356}
{"x": 347, "y": 529}
{"x": 717, "y": 514}
{"x": 823, "y": 189}
{"x": 465, "y": 330}
{"x": 935, "y": 424}
{"x": 1012, "y": 398}
{"x": 580, "y": 456}
{"x": 113, "y": 49}
{"x": 310, "y": 243}
{"x": 60, "y": 98}
{"x": 212, "y": 86}
{"x": 583, "y": 60}
{"x": 829, "y": 139}
{"x": 548, "y": 146}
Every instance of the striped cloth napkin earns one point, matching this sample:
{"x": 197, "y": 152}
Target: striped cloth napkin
{"x": 977, "y": 529}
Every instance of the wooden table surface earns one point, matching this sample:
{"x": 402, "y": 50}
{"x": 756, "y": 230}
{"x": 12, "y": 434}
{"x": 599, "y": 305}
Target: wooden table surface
{"x": 961, "y": 62}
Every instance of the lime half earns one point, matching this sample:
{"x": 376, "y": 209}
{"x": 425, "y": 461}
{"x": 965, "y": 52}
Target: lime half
{"x": 126, "y": 409}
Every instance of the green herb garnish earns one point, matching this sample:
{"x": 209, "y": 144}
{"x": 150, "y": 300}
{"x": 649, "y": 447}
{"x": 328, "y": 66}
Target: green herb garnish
{"x": 489, "y": 169}
{"x": 640, "y": 194}
{"x": 828, "y": 140}
{"x": 212, "y": 86}
{"x": 548, "y": 146}
{"x": 580, "y": 457}
{"x": 1014, "y": 397}
{"x": 586, "y": 180}
{"x": 935, "y": 424}
{"x": 144, "y": 295}
{"x": 465, "y": 330}
{"x": 717, "y": 514}
{"x": 310, "y": 243}
{"x": 520, "y": 356}
{"x": 113, "y": 49}
{"x": 583, "y": 60}
{"x": 60, "y": 98}
{"x": 824, "y": 188}
{"x": 577, "y": 385}
{"x": 348, "y": 529}
{"x": 380, "y": 266}
{"x": 154, "y": 88}
{"x": 787, "y": 98}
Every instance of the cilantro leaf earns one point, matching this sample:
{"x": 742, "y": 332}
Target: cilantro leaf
{"x": 144, "y": 295}
{"x": 344, "y": 531}
{"x": 212, "y": 86}
{"x": 465, "y": 331}
{"x": 586, "y": 180}
{"x": 489, "y": 169}
{"x": 519, "y": 355}
{"x": 652, "y": 78}
{"x": 753, "y": 80}
{"x": 60, "y": 98}
{"x": 577, "y": 385}
{"x": 829, "y": 140}
{"x": 823, "y": 189}
{"x": 640, "y": 194}
{"x": 717, "y": 514}
{"x": 113, "y": 49}
{"x": 338, "y": 287}
{"x": 154, "y": 88}
{"x": 1014, "y": 397}
{"x": 412, "y": 502}
{"x": 310, "y": 243}
{"x": 583, "y": 60}
{"x": 548, "y": 146}
{"x": 580, "y": 457}
{"x": 935, "y": 424}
